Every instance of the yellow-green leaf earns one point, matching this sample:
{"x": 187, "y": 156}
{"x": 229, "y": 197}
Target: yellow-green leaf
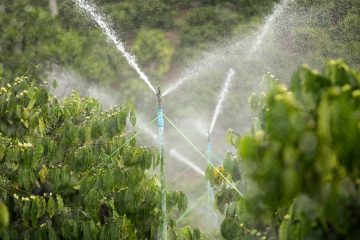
{"x": 59, "y": 202}
{"x": 43, "y": 173}
{"x": 51, "y": 207}
{"x": 4, "y": 215}
{"x": 2, "y": 151}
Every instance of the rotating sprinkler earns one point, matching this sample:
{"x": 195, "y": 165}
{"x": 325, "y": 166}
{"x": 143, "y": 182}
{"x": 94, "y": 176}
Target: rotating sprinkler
{"x": 160, "y": 123}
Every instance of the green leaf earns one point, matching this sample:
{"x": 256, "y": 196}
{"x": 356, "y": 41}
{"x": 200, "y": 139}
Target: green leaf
{"x": 185, "y": 234}
{"x": 51, "y": 233}
{"x": 132, "y": 115}
{"x": 182, "y": 202}
{"x": 31, "y": 103}
{"x": 248, "y": 147}
{"x": 42, "y": 97}
{"x": 26, "y": 213}
{"x": 4, "y": 215}
{"x": 40, "y": 208}
{"x": 54, "y": 83}
{"x": 43, "y": 173}
{"x": 93, "y": 229}
{"x": 34, "y": 213}
{"x": 60, "y": 202}
{"x": 2, "y": 151}
{"x": 42, "y": 127}
{"x": 51, "y": 207}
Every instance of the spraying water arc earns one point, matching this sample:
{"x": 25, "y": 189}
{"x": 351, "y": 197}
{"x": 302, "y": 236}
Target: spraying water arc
{"x": 149, "y": 132}
{"x": 256, "y": 43}
{"x": 229, "y": 76}
{"x": 110, "y": 34}
{"x": 278, "y": 10}
{"x": 175, "y": 86}
{"x": 181, "y": 158}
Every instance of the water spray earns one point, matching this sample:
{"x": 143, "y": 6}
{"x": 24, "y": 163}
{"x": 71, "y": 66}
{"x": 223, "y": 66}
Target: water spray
{"x": 278, "y": 10}
{"x": 182, "y": 159}
{"x": 91, "y": 9}
{"x": 229, "y": 76}
{"x": 141, "y": 125}
{"x": 160, "y": 123}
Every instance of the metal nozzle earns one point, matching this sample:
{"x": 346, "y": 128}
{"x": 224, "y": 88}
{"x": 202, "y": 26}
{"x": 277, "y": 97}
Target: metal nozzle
{"x": 158, "y": 94}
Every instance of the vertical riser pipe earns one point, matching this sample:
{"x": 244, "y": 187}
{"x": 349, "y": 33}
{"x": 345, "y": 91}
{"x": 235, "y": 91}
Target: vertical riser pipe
{"x": 209, "y": 190}
{"x": 160, "y": 123}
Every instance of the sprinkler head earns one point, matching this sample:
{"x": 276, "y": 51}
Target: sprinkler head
{"x": 158, "y": 94}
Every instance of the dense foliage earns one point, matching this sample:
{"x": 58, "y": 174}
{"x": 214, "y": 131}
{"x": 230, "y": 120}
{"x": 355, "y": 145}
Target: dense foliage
{"x": 72, "y": 171}
{"x": 299, "y": 167}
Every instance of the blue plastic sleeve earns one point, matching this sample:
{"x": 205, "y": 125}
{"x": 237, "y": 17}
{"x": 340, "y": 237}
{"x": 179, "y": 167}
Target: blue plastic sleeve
{"x": 160, "y": 119}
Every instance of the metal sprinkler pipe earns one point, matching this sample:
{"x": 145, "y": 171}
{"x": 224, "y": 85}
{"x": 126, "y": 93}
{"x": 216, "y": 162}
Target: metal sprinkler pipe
{"x": 209, "y": 190}
{"x": 160, "y": 123}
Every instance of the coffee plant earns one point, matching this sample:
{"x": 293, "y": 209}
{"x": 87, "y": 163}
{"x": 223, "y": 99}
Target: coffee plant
{"x": 70, "y": 170}
{"x": 299, "y": 166}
